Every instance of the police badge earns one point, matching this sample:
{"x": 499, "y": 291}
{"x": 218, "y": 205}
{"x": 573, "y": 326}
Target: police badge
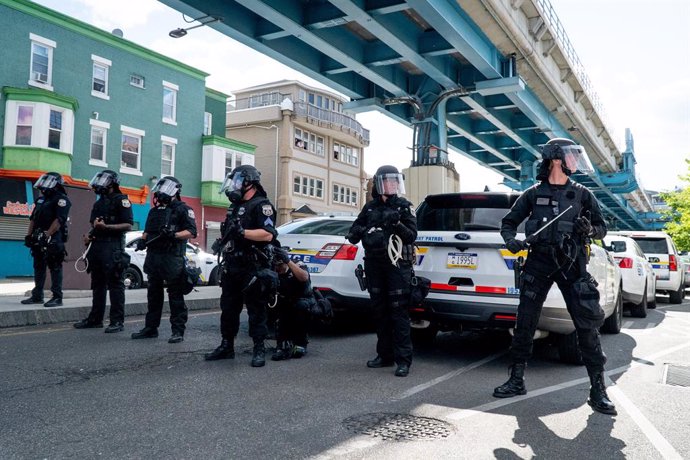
{"x": 267, "y": 210}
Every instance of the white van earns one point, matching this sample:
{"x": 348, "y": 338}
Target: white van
{"x": 663, "y": 255}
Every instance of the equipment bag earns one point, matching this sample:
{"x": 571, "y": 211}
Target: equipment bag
{"x": 419, "y": 289}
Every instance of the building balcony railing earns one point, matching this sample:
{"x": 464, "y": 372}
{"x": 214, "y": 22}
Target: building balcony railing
{"x": 302, "y": 109}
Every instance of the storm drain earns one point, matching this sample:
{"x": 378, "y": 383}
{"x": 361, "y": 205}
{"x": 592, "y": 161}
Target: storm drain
{"x": 676, "y": 375}
{"x": 398, "y": 427}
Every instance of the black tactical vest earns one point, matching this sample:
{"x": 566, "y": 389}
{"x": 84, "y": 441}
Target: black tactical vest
{"x": 549, "y": 202}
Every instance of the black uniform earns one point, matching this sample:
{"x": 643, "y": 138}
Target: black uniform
{"x": 56, "y": 205}
{"x": 242, "y": 261}
{"x": 165, "y": 263}
{"x": 558, "y": 254}
{"x": 294, "y": 300}
{"x": 107, "y": 257}
{"x": 389, "y": 285}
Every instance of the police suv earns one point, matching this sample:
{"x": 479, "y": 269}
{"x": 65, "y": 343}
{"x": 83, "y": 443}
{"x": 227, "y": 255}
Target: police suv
{"x": 473, "y": 276}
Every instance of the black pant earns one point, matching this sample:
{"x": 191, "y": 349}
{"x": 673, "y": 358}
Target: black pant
{"x": 293, "y": 321}
{"x": 234, "y": 279}
{"x": 102, "y": 281}
{"x": 50, "y": 259}
{"x": 161, "y": 268}
{"x": 389, "y": 289}
{"x": 535, "y": 284}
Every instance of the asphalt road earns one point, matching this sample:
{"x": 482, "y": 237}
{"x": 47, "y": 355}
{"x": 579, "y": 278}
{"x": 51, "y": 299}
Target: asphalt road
{"x": 84, "y": 394}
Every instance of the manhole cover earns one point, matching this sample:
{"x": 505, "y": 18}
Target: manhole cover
{"x": 677, "y": 375}
{"x": 398, "y": 427}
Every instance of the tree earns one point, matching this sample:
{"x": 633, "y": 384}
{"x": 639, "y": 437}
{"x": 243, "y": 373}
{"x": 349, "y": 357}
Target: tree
{"x": 678, "y": 201}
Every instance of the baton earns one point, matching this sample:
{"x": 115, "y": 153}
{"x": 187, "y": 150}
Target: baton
{"x": 531, "y": 237}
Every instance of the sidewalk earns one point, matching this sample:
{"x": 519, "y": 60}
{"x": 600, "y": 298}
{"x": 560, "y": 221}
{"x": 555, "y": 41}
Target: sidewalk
{"x": 77, "y": 304}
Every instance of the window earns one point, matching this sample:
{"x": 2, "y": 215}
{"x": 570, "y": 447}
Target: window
{"x": 55, "y": 129}
{"x": 170, "y": 103}
{"x": 264, "y": 99}
{"x": 309, "y": 142}
{"x": 208, "y": 123}
{"x": 98, "y": 138}
{"x": 99, "y": 83}
{"x": 345, "y": 154}
{"x": 344, "y": 195}
{"x": 168, "y": 156}
{"x": 307, "y": 186}
{"x": 41, "y": 62}
{"x": 130, "y": 159}
{"x": 232, "y": 160}
{"x": 25, "y": 117}
{"x": 136, "y": 80}
{"x": 228, "y": 163}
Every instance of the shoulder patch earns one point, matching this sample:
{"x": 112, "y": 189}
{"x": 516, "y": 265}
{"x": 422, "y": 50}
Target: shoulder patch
{"x": 126, "y": 203}
{"x": 190, "y": 213}
{"x": 62, "y": 202}
{"x": 412, "y": 211}
{"x": 268, "y": 222}
{"x": 267, "y": 210}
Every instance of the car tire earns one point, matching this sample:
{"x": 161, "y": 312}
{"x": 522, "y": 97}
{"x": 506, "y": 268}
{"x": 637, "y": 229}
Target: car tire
{"x": 568, "y": 349}
{"x": 132, "y": 274}
{"x": 613, "y": 324}
{"x": 425, "y": 336}
{"x": 640, "y": 310}
{"x": 213, "y": 277}
{"x": 677, "y": 296}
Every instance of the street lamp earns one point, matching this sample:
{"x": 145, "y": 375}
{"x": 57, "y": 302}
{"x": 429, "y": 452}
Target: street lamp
{"x": 180, "y": 32}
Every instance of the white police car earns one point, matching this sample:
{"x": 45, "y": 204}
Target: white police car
{"x": 136, "y": 278}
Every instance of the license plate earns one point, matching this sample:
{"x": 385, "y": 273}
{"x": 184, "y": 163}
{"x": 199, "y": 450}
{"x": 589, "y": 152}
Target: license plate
{"x": 462, "y": 260}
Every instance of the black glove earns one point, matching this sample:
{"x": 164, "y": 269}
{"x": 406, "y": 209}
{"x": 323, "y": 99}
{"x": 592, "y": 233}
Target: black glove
{"x": 392, "y": 217}
{"x": 28, "y": 241}
{"x": 141, "y": 245}
{"x": 236, "y": 232}
{"x": 167, "y": 233}
{"x": 281, "y": 255}
{"x": 515, "y": 245}
{"x": 583, "y": 226}
{"x": 355, "y": 234}
{"x": 216, "y": 246}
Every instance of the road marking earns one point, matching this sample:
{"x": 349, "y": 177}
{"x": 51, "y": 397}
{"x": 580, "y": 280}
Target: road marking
{"x": 628, "y": 324}
{"x": 449, "y": 375}
{"x": 658, "y": 441}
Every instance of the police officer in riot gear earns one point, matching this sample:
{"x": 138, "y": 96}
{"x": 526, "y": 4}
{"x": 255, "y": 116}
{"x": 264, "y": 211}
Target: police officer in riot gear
{"x": 111, "y": 218}
{"x": 387, "y": 227}
{"x": 558, "y": 254}
{"x": 245, "y": 245}
{"x": 295, "y": 297}
{"x": 47, "y": 236}
{"x": 169, "y": 225}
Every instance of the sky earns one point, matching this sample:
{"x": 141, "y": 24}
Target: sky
{"x": 635, "y": 52}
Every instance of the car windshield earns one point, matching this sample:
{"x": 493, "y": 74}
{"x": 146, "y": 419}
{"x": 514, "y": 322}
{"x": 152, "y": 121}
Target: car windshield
{"x": 317, "y": 227}
{"x": 465, "y": 212}
{"x": 652, "y": 245}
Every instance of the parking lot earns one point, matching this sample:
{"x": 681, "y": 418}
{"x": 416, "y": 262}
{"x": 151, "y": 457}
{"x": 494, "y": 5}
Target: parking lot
{"x": 83, "y": 394}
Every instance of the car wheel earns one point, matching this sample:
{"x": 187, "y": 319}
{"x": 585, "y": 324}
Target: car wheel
{"x": 640, "y": 310}
{"x": 133, "y": 279}
{"x": 425, "y": 336}
{"x": 568, "y": 349}
{"x": 613, "y": 324}
{"x": 677, "y": 296}
{"x": 213, "y": 277}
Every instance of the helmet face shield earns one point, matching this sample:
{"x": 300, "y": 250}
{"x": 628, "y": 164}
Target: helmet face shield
{"x": 166, "y": 186}
{"x": 576, "y": 159}
{"x": 46, "y": 182}
{"x": 102, "y": 179}
{"x": 389, "y": 184}
{"x": 231, "y": 183}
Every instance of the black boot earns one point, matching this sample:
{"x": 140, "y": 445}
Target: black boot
{"x": 515, "y": 385}
{"x": 146, "y": 333}
{"x": 283, "y": 351}
{"x": 598, "y": 398}
{"x": 379, "y": 362}
{"x": 259, "y": 358}
{"x": 226, "y": 350}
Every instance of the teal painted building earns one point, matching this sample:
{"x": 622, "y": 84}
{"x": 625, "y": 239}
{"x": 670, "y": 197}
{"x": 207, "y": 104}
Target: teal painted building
{"x": 76, "y": 99}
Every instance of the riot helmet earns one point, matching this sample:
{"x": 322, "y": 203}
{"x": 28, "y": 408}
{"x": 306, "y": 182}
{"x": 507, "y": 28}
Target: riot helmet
{"x": 573, "y": 156}
{"x": 165, "y": 189}
{"x": 49, "y": 182}
{"x": 103, "y": 180}
{"x": 239, "y": 181}
{"x": 389, "y": 181}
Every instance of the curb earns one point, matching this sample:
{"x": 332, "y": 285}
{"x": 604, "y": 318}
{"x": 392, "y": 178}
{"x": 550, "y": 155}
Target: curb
{"x": 67, "y": 314}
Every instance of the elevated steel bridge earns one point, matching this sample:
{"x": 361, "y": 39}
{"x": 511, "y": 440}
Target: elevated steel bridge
{"x": 490, "y": 79}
